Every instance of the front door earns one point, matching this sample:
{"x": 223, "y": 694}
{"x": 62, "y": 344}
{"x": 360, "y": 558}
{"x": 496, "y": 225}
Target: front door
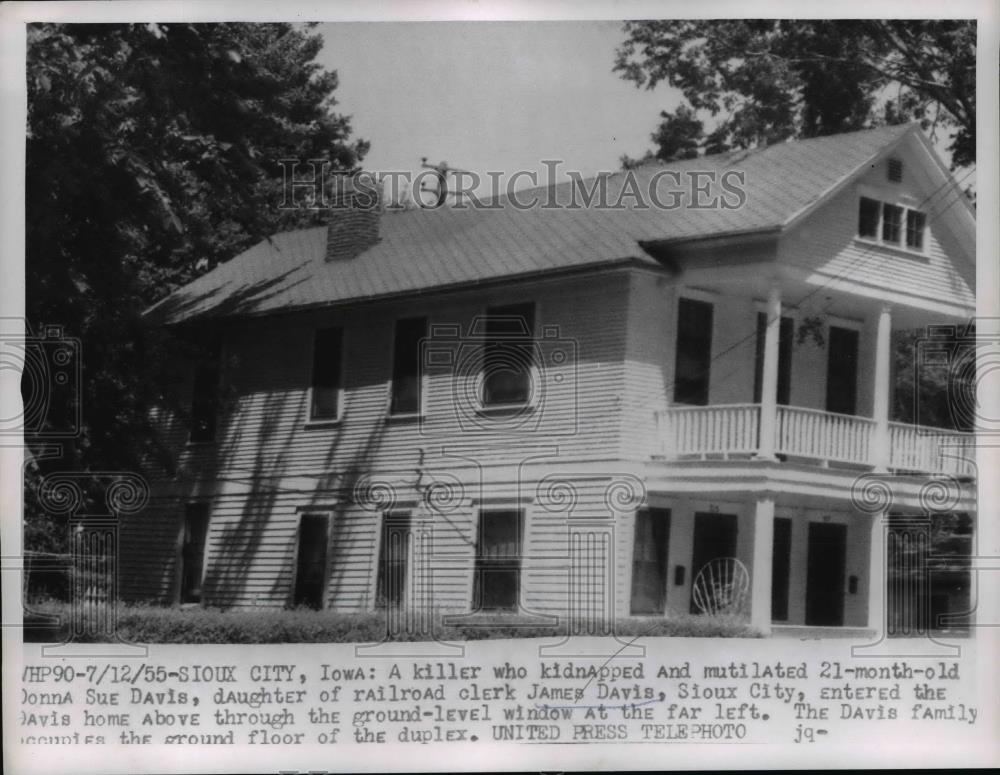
{"x": 714, "y": 537}
{"x": 825, "y": 575}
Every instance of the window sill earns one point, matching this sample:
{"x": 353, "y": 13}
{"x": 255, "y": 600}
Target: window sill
{"x": 311, "y": 425}
{"x": 404, "y": 417}
{"x": 897, "y": 249}
{"x": 505, "y": 410}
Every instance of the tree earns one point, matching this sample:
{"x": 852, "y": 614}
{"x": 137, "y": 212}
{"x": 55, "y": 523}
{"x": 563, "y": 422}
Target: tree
{"x": 152, "y": 155}
{"x": 775, "y": 79}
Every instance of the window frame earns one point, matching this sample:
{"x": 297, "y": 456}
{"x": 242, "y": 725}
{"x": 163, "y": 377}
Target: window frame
{"x": 421, "y": 373}
{"x": 696, "y": 299}
{"x": 531, "y": 342}
{"x": 399, "y": 516}
{"x": 327, "y": 515}
{"x": 905, "y": 209}
{"x": 218, "y": 353}
{"x": 316, "y": 422}
{"x": 181, "y": 589}
{"x": 476, "y": 593}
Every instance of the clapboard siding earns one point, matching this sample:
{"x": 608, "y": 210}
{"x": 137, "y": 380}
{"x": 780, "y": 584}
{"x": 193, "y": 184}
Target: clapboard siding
{"x": 826, "y": 241}
{"x": 268, "y": 466}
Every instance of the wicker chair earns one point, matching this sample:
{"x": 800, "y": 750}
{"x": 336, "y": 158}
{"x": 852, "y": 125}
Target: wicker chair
{"x": 721, "y": 587}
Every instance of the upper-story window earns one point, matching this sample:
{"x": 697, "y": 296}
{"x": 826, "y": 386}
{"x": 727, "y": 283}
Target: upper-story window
{"x": 205, "y": 395}
{"x": 891, "y": 224}
{"x": 694, "y": 352}
{"x": 327, "y": 377}
{"x": 508, "y": 354}
{"x": 406, "y": 387}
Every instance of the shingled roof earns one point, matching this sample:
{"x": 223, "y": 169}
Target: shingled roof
{"x": 422, "y": 250}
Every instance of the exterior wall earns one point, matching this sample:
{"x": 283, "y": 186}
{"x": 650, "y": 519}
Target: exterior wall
{"x": 268, "y": 464}
{"x": 826, "y": 241}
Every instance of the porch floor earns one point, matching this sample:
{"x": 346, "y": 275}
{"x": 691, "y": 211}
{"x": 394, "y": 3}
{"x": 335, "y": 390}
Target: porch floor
{"x": 808, "y": 632}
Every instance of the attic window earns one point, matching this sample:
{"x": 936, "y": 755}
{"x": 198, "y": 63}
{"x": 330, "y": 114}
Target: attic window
{"x": 895, "y": 171}
{"x": 891, "y": 224}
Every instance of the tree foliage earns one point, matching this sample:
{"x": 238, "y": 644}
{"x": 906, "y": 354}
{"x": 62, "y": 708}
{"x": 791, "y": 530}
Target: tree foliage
{"x": 769, "y": 80}
{"x": 153, "y": 154}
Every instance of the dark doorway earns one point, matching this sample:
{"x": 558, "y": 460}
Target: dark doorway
{"x": 825, "y": 574}
{"x": 193, "y": 551}
{"x": 649, "y": 561}
{"x": 310, "y": 569}
{"x": 780, "y": 568}
{"x": 392, "y": 563}
{"x": 693, "y": 359}
{"x": 842, "y": 371}
{"x": 714, "y": 536}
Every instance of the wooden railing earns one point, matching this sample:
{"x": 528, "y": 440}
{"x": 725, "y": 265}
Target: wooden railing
{"x": 919, "y": 448}
{"x": 825, "y": 437}
{"x": 709, "y": 430}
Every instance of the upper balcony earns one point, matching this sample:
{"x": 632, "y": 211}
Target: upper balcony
{"x": 812, "y": 436}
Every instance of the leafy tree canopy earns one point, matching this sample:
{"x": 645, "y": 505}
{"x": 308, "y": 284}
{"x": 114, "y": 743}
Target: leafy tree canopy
{"x": 153, "y": 154}
{"x": 769, "y": 80}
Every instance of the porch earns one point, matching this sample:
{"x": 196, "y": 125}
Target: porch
{"x": 812, "y": 436}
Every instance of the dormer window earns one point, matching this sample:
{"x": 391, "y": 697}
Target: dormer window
{"x": 894, "y": 171}
{"x": 890, "y": 224}
{"x": 916, "y": 222}
{"x": 892, "y": 219}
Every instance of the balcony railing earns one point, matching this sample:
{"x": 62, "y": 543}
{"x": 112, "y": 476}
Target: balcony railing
{"x": 812, "y": 435}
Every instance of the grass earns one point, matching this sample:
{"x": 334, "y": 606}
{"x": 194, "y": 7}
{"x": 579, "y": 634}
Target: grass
{"x": 140, "y": 623}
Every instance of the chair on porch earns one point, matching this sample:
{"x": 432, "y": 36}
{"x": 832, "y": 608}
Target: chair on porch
{"x": 721, "y": 587}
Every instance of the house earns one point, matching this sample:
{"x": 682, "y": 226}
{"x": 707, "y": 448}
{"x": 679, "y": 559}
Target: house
{"x": 571, "y": 411}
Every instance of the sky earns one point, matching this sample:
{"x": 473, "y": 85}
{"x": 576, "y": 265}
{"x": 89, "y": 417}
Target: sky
{"x": 491, "y": 95}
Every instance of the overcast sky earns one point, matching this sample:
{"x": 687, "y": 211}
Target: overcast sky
{"x": 491, "y": 95}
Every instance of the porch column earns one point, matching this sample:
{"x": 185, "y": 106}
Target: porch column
{"x": 883, "y": 378}
{"x": 763, "y": 561}
{"x": 769, "y": 376}
{"x": 877, "y": 576}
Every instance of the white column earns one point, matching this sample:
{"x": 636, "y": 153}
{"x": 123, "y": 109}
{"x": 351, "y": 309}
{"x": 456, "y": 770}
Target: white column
{"x": 877, "y": 576}
{"x": 883, "y": 378}
{"x": 763, "y": 561}
{"x": 769, "y": 376}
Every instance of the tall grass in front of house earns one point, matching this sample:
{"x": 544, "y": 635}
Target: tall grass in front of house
{"x": 139, "y": 623}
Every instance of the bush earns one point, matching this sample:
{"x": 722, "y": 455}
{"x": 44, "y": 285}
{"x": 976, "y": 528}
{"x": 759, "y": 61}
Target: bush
{"x": 156, "y": 624}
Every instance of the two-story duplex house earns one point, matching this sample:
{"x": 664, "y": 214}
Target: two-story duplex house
{"x": 571, "y": 410}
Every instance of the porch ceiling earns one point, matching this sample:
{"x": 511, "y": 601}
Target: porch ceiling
{"x": 791, "y": 484}
{"x": 815, "y": 294}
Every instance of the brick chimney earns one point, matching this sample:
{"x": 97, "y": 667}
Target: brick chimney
{"x": 353, "y": 227}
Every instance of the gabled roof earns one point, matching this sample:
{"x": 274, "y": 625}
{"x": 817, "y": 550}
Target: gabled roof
{"x": 422, "y": 250}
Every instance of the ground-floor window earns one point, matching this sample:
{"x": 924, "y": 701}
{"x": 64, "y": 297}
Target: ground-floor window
{"x": 497, "y": 584}
{"x": 310, "y": 565}
{"x": 193, "y": 551}
{"x": 649, "y": 561}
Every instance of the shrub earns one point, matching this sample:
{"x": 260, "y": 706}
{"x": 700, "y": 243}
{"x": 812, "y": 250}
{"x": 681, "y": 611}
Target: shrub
{"x": 156, "y": 624}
